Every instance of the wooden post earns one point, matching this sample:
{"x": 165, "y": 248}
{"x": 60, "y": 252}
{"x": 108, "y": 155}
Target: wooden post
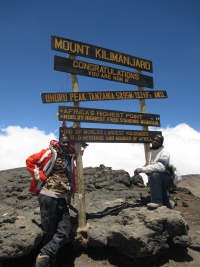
{"x": 79, "y": 162}
{"x": 144, "y": 128}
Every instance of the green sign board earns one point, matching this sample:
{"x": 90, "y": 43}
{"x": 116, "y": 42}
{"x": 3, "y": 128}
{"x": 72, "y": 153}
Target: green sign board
{"x": 108, "y": 135}
{"x": 101, "y": 72}
{"x": 107, "y": 116}
{"x": 101, "y": 96}
{"x": 99, "y": 53}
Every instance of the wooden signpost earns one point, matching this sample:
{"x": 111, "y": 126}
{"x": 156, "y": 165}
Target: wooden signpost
{"x": 107, "y": 116}
{"x": 100, "y": 96}
{"x": 101, "y": 72}
{"x": 79, "y": 164}
{"x": 77, "y": 114}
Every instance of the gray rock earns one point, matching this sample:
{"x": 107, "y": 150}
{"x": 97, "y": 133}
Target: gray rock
{"x": 191, "y": 183}
{"x": 114, "y": 210}
{"x": 19, "y": 215}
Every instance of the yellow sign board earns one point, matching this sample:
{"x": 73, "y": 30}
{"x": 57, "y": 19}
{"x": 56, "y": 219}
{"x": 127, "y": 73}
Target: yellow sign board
{"x": 108, "y": 135}
{"x": 101, "y": 72}
{"x": 99, "y": 53}
{"x": 101, "y": 96}
{"x": 107, "y": 116}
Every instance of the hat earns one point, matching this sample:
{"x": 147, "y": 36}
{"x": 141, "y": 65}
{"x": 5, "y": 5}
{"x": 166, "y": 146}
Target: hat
{"x": 54, "y": 143}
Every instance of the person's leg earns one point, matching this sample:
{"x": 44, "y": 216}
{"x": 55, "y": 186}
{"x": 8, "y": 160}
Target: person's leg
{"x": 166, "y": 199}
{"x": 62, "y": 232}
{"x": 49, "y": 217}
{"x": 49, "y": 222}
{"x": 166, "y": 184}
{"x": 155, "y": 188}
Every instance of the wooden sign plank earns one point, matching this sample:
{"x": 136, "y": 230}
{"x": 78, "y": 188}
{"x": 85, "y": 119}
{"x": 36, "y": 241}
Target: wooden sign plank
{"x": 101, "y": 96}
{"x": 107, "y": 116}
{"x": 101, "y": 72}
{"x": 99, "y": 53}
{"x": 108, "y": 135}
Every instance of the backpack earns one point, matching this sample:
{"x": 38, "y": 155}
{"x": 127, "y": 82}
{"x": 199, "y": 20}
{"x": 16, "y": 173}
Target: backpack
{"x": 172, "y": 172}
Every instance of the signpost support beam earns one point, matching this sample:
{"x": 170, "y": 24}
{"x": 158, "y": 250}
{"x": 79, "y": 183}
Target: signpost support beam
{"x": 79, "y": 162}
{"x": 144, "y": 128}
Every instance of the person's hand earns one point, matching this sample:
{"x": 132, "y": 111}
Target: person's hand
{"x": 138, "y": 170}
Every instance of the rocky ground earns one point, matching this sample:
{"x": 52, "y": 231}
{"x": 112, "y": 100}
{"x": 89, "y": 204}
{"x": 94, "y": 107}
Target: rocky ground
{"x": 189, "y": 206}
{"x": 186, "y": 202}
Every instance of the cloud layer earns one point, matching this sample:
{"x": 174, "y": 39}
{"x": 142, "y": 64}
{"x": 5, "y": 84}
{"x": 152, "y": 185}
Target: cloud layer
{"x": 182, "y": 141}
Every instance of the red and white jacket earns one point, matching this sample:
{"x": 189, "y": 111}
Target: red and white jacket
{"x": 40, "y": 165}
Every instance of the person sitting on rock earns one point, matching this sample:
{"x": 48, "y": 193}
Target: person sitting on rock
{"x": 51, "y": 168}
{"x": 159, "y": 179}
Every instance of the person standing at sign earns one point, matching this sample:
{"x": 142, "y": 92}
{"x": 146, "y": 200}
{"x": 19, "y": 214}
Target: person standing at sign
{"x": 52, "y": 182}
{"x": 159, "y": 179}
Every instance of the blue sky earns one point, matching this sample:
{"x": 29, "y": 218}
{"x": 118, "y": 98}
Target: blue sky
{"x": 165, "y": 32}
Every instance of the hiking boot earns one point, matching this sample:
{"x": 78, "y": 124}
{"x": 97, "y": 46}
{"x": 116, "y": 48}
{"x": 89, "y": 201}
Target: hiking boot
{"x": 153, "y": 206}
{"x": 42, "y": 260}
{"x": 172, "y": 204}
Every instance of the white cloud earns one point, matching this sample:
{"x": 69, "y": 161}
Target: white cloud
{"x": 182, "y": 141}
{"x": 18, "y": 143}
